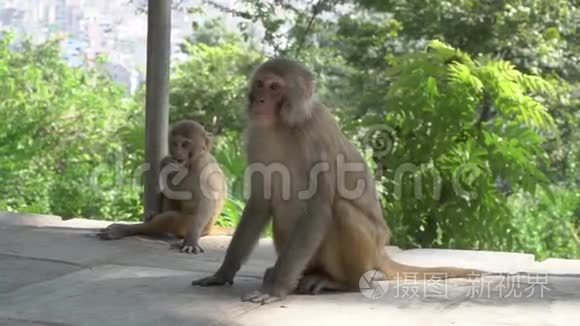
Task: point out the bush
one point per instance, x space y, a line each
208 87
547 225
466 135
229 153
58 137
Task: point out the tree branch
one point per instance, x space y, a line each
315 12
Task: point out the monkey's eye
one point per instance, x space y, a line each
259 83
275 86
184 145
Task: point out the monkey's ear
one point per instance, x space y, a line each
297 108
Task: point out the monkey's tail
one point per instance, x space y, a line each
395 270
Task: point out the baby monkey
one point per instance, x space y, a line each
193 191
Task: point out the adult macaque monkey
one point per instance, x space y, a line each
327 221
194 193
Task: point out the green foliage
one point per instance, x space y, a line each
229 154
58 136
212 32
547 225
536 35
451 154
209 86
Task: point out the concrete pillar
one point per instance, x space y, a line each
157 98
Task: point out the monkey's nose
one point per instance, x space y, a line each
261 100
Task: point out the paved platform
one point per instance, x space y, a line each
55 272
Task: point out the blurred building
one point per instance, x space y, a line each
89 29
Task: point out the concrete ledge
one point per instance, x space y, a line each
55 272
15 219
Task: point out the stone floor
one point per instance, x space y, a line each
55 272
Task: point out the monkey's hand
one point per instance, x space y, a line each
214 280
167 160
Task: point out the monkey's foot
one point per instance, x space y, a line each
316 283
214 280
114 231
259 297
188 247
192 249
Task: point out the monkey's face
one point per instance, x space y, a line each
267 96
186 149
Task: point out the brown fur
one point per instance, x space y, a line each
192 216
324 242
